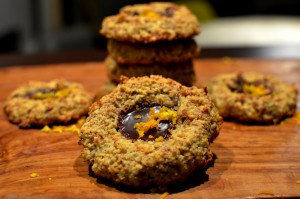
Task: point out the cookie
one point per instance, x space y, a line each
163 52
150 131
146 23
253 97
183 72
45 103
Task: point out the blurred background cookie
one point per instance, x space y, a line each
182 72
152 39
164 52
253 97
45 103
145 23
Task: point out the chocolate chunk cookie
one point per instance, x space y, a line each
150 131
44 103
145 23
162 52
253 97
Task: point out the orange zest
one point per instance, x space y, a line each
150 14
57 94
255 90
154 118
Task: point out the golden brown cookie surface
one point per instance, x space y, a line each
146 23
150 131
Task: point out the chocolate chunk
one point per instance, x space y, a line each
126 125
240 82
169 12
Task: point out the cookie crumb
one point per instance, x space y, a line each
57 129
81 121
164 195
74 128
266 192
46 129
34 175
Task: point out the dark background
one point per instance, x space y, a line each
31 26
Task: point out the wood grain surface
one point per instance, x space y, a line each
251 161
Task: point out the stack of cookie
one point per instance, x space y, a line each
154 38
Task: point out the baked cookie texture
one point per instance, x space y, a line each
152 39
139 162
253 97
183 72
161 52
45 103
146 23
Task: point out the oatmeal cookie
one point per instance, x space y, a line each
163 52
150 131
146 23
253 97
44 103
183 72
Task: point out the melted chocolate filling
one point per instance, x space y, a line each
127 122
169 12
31 94
42 90
240 82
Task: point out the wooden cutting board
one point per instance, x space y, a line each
251 161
